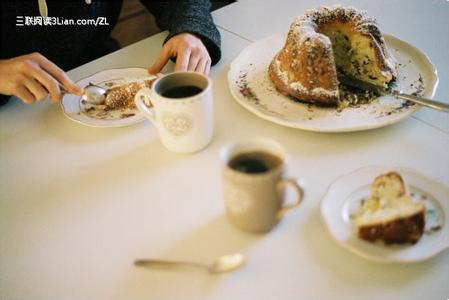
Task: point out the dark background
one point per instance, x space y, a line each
136 23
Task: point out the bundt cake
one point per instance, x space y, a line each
325 41
390 214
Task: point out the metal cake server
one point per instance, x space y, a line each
363 85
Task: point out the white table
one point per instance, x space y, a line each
79 204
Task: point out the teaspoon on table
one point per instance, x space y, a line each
223 264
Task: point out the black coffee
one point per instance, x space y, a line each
255 162
182 91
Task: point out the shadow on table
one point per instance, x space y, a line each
213 239
57 125
347 267
313 144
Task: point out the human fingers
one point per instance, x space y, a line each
201 67
50 83
194 61
37 90
207 69
161 61
24 94
58 74
182 60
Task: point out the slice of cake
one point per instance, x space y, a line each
122 96
390 214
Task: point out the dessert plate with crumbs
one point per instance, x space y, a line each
345 196
252 88
118 109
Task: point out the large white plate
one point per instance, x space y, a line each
343 199
252 88
74 109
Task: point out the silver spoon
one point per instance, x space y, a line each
223 264
92 93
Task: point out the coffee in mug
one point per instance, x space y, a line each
182 91
254 185
255 162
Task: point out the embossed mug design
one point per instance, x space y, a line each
185 122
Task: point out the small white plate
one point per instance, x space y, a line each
75 109
252 88
343 199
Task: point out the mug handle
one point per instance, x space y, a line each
283 184
138 100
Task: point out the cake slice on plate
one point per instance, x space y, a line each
390 214
122 96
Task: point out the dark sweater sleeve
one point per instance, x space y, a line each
191 16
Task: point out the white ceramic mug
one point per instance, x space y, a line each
255 201
184 124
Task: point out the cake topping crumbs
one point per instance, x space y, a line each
419 86
244 88
119 101
350 97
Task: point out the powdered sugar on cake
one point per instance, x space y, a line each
297 86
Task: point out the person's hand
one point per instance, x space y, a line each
190 53
32 77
